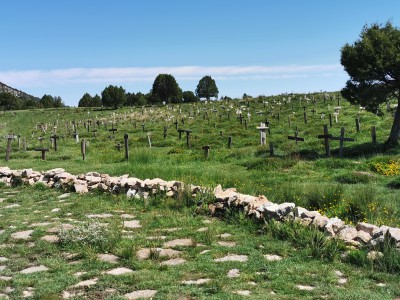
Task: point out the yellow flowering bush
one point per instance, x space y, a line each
390 168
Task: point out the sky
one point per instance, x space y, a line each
258 47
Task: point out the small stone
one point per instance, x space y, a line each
196 282
26 294
272 257
55 210
12 205
380 284
342 280
225 235
110 258
132 224
99 216
243 293
234 273
3 259
204 251
50 238
232 257
144 253
30 270
178 242
373 255
226 244
173 262
118 271
127 216
78 274
305 287
22 235
42 224
4 296
141 294
338 273
63 196
86 283
202 229
5 278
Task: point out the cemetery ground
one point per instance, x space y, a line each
57 245
202 144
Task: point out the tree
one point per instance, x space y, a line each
189 96
373 64
47 101
207 88
85 101
96 101
165 88
113 96
10 102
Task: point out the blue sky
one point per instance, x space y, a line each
67 48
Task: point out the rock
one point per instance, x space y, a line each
50 238
118 271
333 226
86 283
144 253
394 234
141 294
368 228
276 211
99 216
243 293
127 216
132 224
363 236
320 221
131 193
272 257
347 233
226 244
173 262
373 255
30 270
196 282
305 287
110 258
232 257
81 188
22 235
234 273
178 242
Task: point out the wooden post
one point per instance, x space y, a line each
143 125
206 150
55 138
305 117
24 143
271 149
330 120
19 141
149 138
43 150
9 137
373 134
188 138
289 121
165 132
126 146
326 136
180 133
245 124
358 124
262 129
229 142
176 124
83 149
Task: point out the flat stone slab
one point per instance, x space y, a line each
243 293
14 205
202 229
226 244
141 294
196 282
234 273
132 224
305 287
127 216
110 258
160 237
118 271
40 224
50 238
173 262
225 235
88 282
272 257
30 270
232 257
179 242
22 235
144 253
5 278
60 227
3 259
63 196
99 216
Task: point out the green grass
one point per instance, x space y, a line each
308 258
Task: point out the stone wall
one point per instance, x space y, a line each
257 207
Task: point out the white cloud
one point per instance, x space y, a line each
67 77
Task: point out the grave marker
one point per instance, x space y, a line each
342 139
206 150
55 137
296 137
373 134
43 150
126 146
83 149
262 129
10 138
326 136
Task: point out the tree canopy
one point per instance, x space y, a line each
207 88
373 64
189 96
89 101
113 96
165 88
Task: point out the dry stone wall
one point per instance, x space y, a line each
258 207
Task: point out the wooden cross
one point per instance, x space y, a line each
262 129
10 138
188 138
55 138
342 139
113 130
143 125
296 137
326 136
313 111
206 150
165 132
176 124
40 138
43 150
304 108
180 132
241 118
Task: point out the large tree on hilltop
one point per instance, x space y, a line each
207 88
165 88
373 64
113 96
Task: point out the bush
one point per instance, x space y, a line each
354 178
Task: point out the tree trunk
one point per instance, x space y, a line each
393 139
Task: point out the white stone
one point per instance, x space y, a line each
243 293
305 287
22 235
141 294
234 273
173 262
272 257
30 270
232 257
178 242
86 283
196 282
132 224
110 258
118 271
